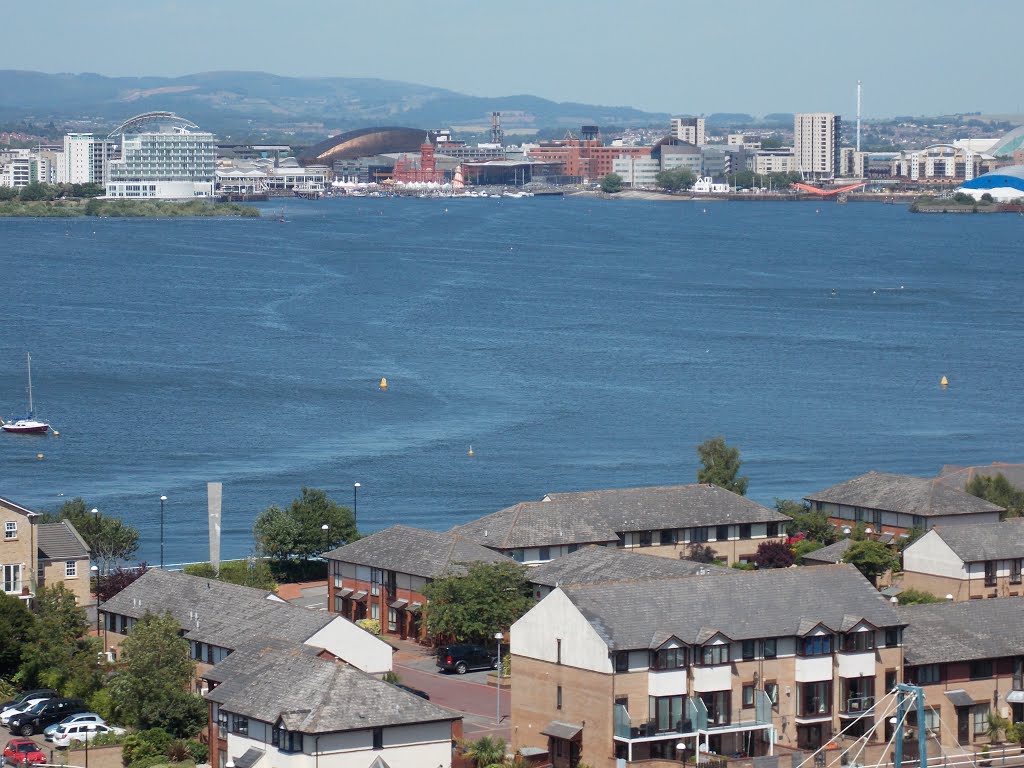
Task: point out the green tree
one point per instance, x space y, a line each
998 490
804 547
488 598
871 558
60 655
700 553
917 597
35 191
814 525
611 183
720 464
151 687
16 625
675 179
110 539
486 751
297 531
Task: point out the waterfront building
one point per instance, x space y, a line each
940 164
637 171
16 172
721 160
780 160
816 144
888 503
1004 184
852 164
630 671
689 129
664 521
85 159
163 156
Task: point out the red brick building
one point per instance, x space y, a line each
584 158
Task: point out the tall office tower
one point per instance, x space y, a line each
689 129
816 144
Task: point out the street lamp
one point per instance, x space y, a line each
355 504
163 501
497 706
325 528
96 576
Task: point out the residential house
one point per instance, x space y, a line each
600 565
382 576
829 555
661 521
967 561
34 555
969 659
893 504
219 618
291 708
621 672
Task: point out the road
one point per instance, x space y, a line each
467 693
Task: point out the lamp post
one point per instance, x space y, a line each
497 705
355 505
326 529
163 501
96 575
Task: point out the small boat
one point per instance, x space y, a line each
28 425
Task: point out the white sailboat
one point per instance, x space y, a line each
29 424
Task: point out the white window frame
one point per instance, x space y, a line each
10 529
12 580
70 569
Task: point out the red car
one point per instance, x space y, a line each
23 752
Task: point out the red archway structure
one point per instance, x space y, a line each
828 192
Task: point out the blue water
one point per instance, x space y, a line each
573 343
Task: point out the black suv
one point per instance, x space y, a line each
23 697
462 658
48 713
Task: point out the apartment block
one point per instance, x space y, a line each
689 129
816 144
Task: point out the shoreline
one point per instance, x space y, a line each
110 208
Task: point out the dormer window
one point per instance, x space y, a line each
712 655
856 642
819 645
285 740
669 658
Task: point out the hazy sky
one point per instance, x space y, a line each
914 56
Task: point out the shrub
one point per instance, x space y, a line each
987 197
391 677
102 703
917 597
177 751
804 547
370 625
741 566
255 573
506 665
150 743
773 554
197 750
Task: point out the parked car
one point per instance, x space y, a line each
413 691
22 752
82 732
24 696
44 714
462 658
81 717
25 706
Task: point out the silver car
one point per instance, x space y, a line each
83 717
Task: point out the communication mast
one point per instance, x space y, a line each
858 115
497 135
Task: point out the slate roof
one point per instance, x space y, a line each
770 603
229 615
958 477
984 541
938 633
595 517
314 695
833 553
431 554
14 507
600 565
60 541
927 497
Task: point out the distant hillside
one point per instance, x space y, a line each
227 102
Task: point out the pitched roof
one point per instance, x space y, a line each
431 554
927 497
984 541
594 517
958 477
314 695
770 603
60 541
937 633
600 565
226 615
16 507
833 553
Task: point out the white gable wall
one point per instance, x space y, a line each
930 554
354 645
555 618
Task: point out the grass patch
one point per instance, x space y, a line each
124 208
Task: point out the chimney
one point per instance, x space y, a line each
213 496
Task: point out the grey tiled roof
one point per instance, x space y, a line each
229 615
922 496
754 604
314 695
60 541
958 477
431 554
594 517
984 541
599 565
15 507
975 629
833 553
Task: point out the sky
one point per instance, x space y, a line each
915 57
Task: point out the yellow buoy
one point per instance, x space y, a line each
383 382
39 455
944 382
471 450
56 433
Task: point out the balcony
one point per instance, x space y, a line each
855 706
696 721
627 729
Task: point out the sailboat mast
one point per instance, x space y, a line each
28 357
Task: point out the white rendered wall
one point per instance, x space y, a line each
556 618
931 555
814 668
355 645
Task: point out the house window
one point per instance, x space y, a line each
518 555
715 654
981 669
670 658
980 713
286 741
771 690
558 697
375 611
859 641
748 696
815 699
645 538
892 638
717 704
929 673
378 738
745 531
197 651
990 573
1015 572
773 530
558 651
70 569
769 648
748 650
376 579
544 553
721 533
573 548
890 680
622 661
392 620
12 578
819 645
11 529
668 536
222 723
667 713
240 725
699 535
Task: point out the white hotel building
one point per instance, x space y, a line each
163 156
